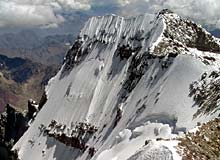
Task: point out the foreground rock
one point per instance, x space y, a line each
13 125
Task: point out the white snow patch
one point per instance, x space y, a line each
127 146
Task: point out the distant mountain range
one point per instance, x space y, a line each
216 33
27 61
27 44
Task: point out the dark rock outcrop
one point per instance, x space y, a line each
32 109
43 100
206 93
76 136
13 125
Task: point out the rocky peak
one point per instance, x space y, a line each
165 11
180 34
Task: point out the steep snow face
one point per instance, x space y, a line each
118 89
126 37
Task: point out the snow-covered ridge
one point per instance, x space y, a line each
164 34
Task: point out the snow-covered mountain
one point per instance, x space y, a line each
127 89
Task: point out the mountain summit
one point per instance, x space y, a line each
126 91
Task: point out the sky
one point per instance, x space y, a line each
49 13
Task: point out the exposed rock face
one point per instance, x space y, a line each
16 124
76 136
32 108
180 33
43 100
72 55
